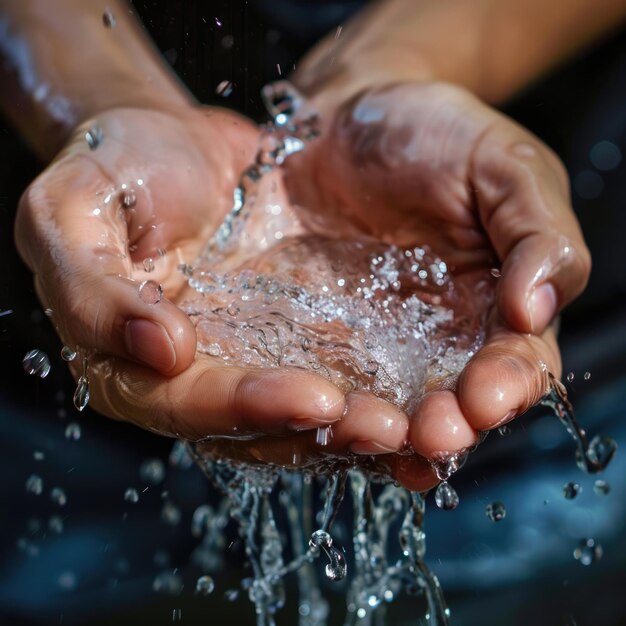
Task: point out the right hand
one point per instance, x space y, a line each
87 251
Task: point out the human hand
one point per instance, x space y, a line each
91 228
428 163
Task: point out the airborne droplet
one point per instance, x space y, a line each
496 511
446 497
150 292
36 362
588 552
67 354
81 395
571 490
205 585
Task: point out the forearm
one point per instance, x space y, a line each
491 47
60 65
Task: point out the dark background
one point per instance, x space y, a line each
519 572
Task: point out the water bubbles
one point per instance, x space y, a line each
131 495
148 265
601 487
446 497
67 354
495 511
129 199
108 19
224 89
57 495
81 394
73 431
152 471
36 362
588 551
34 485
167 582
150 292
205 585
600 452
94 137
571 490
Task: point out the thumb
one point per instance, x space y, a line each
76 243
523 199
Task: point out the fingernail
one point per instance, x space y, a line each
370 447
541 307
507 418
308 423
149 343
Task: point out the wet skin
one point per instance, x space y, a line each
413 163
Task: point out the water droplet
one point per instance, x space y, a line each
371 368
72 431
129 199
224 89
152 471
55 524
38 455
57 495
148 265
337 568
214 349
36 362
81 395
495 272
601 487
170 514
320 539
108 19
446 497
504 431
587 376
94 137
205 585
231 595
34 484
150 292
571 490
179 456
233 310
131 495
496 511
228 41
600 452
588 551
570 377
161 252
67 354
177 615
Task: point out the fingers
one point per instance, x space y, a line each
77 245
523 200
212 399
505 378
